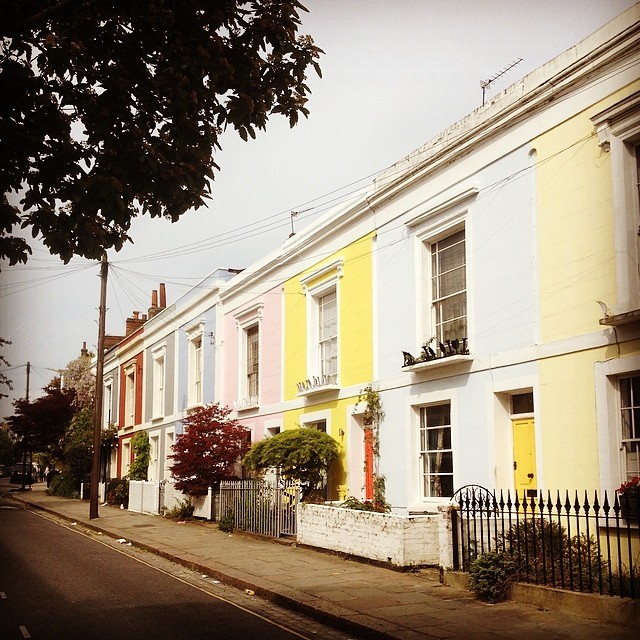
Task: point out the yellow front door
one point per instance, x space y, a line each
524 455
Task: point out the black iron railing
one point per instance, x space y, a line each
564 541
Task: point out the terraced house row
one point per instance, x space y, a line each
487 286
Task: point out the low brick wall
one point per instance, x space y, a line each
403 541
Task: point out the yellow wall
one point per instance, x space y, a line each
576 268
355 344
575 230
355 333
575 225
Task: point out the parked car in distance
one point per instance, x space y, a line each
21 473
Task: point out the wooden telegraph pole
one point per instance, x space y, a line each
97 409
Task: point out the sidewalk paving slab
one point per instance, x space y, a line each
367 600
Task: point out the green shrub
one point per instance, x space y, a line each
64 486
227 522
183 510
549 555
118 492
491 576
364 505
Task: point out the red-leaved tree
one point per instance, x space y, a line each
208 450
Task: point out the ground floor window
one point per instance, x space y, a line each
436 455
630 409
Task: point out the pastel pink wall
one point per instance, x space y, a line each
270 360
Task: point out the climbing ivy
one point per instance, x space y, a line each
142 456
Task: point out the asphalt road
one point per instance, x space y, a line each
59 582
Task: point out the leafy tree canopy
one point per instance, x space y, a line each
4 381
7 455
41 424
78 376
208 450
112 109
77 445
300 454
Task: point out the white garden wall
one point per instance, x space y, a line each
154 497
402 541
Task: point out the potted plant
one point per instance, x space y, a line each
629 498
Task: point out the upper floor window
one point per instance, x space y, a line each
159 382
328 334
249 322
618 129
130 395
436 453
107 403
253 360
322 288
195 367
449 287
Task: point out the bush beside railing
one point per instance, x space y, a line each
581 545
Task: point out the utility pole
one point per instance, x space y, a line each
97 408
24 451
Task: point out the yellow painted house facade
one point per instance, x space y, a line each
588 225
329 356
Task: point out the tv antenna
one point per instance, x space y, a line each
486 84
295 214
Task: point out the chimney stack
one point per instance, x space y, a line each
156 308
134 323
83 351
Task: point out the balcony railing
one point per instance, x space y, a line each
447 349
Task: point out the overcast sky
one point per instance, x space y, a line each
395 73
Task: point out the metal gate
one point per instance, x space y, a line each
258 506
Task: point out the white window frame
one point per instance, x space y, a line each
436 276
107 403
618 129
169 441
628 473
130 375
424 452
159 382
245 321
316 286
153 469
126 458
437 222
195 392
609 420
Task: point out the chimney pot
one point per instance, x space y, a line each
163 296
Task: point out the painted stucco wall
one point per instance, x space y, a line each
575 228
502 319
355 317
399 541
208 358
577 268
270 360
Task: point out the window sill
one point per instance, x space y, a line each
244 404
317 385
619 319
449 361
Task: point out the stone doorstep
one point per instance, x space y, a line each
612 609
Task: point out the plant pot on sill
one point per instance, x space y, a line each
630 508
